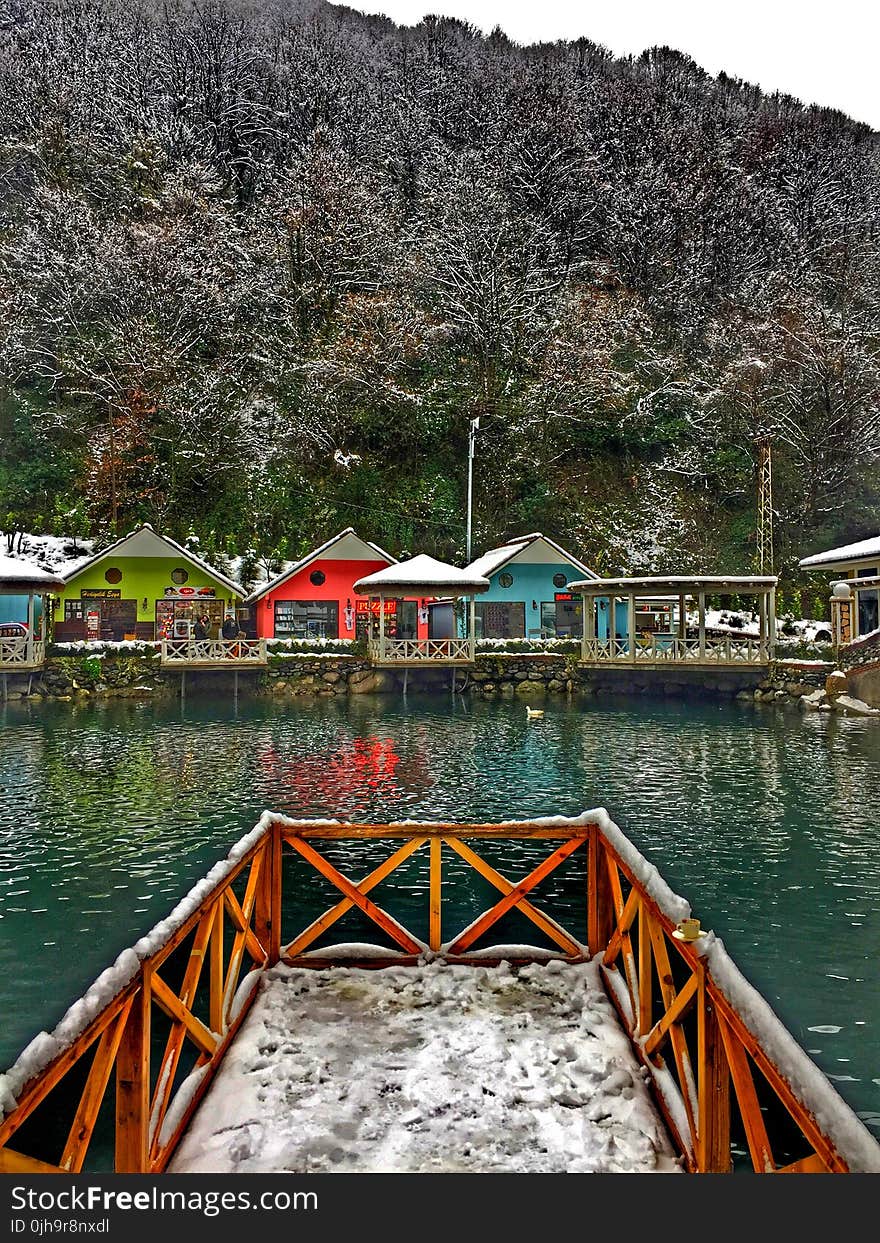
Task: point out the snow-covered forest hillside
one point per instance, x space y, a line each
261 263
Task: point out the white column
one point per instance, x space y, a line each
589 604
762 625
771 622
612 625
381 627
701 601
30 623
472 624
631 626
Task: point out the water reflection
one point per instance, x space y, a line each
766 820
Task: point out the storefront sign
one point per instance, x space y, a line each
372 606
205 591
101 593
563 595
93 625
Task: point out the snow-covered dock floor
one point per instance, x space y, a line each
428 1069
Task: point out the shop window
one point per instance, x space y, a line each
505 580
180 575
73 610
497 620
306 619
317 578
113 575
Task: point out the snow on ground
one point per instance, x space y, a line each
429 1069
53 552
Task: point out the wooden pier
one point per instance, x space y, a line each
722 1067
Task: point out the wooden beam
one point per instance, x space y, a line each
167 1000
80 1133
435 883
12 1162
713 1089
133 1086
550 927
513 897
320 925
386 922
750 1111
674 1013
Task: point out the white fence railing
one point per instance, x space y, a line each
411 650
655 649
19 653
213 651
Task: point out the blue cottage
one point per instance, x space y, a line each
529 597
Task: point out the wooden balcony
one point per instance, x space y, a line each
659 651
416 653
21 655
213 654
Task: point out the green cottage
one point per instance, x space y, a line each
144 586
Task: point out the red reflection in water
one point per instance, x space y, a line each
330 782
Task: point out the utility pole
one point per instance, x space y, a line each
472 434
765 508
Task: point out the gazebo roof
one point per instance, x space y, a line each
864 550
717 584
19 577
421 576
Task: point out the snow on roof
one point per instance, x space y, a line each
18 576
492 561
421 575
720 584
144 537
322 550
863 550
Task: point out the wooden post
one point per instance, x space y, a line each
381 627
434 934
29 654
682 618
600 904
472 636
631 626
713 1089
133 1087
267 909
771 622
612 625
701 600
762 625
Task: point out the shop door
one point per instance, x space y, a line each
118 620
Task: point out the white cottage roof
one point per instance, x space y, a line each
492 561
19 577
421 576
863 550
145 542
349 547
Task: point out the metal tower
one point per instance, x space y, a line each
765 509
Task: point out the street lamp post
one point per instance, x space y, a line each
472 433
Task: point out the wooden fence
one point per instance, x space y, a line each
716 1081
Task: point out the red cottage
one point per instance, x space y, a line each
314 598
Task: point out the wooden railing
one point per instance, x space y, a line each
659 649
440 651
720 1061
213 651
22 652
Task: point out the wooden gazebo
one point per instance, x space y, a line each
23 653
422 577
658 650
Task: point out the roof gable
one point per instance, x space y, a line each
145 542
534 549
345 546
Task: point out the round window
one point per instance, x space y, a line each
559 580
317 577
113 575
505 579
179 576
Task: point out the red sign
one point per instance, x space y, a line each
186 591
563 595
372 606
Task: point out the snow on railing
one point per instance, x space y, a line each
428 650
213 651
708 1039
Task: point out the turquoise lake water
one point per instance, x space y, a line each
766 820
